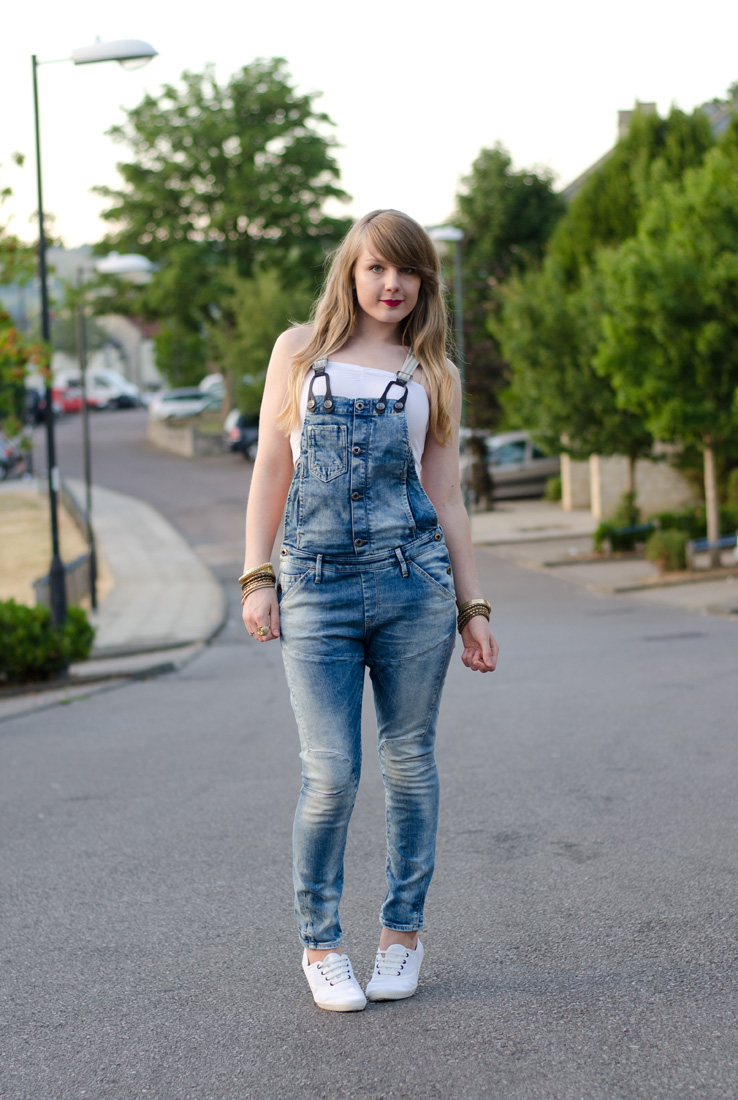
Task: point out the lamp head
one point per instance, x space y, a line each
131 53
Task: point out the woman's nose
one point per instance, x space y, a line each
392 278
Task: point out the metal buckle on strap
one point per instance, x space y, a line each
319 371
381 405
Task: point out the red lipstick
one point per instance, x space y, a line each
392 302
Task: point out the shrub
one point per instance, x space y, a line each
32 649
627 514
668 548
731 489
693 522
553 489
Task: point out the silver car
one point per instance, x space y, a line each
516 466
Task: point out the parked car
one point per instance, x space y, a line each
175 404
241 433
68 397
106 389
517 467
11 456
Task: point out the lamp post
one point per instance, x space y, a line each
139 268
456 236
131 53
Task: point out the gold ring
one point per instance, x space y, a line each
262 631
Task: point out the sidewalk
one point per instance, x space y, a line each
164 607
540 535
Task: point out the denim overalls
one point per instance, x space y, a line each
364 580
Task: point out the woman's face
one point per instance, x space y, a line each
387 293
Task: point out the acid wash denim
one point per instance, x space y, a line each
364 582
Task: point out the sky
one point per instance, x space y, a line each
415 89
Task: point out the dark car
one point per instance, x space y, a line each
241 433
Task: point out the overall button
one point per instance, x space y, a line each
359 542
356 496
356 450
438 536
359 405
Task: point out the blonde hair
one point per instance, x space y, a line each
398 239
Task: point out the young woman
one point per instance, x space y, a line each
358 449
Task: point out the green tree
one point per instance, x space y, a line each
550 327
17 260
17 264
608 208
555 387
261 307
670 336
507 217
231 176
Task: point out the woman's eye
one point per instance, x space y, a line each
408 270
375 267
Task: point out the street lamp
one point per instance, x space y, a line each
139 269
456 236
129 52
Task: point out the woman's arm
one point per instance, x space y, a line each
441 482
270 483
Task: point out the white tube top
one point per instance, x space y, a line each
348 380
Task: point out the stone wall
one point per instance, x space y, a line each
599 484
183 438
574 484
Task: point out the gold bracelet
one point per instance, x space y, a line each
246 592
267 567
468 610
260 576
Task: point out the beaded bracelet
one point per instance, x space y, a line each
468 610
249 588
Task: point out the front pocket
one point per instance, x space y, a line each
434 572
327 450
288 582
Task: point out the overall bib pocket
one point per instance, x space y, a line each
327 450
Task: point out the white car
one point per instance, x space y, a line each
106 388
176 404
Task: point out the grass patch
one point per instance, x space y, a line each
25 546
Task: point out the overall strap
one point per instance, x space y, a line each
402 378
406 371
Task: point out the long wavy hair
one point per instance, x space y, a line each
399 239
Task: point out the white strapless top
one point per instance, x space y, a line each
348 380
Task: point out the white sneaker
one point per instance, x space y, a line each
395 974
333 984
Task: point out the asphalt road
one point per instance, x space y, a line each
581 938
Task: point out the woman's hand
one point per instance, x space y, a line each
480 648
261 610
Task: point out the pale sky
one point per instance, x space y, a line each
416 89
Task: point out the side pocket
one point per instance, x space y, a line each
290 582
435 572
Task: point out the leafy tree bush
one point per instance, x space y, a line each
507 217
616 530
731 488
670 335
221 177
668 548
32 649
553 489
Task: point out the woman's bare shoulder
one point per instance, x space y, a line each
294 339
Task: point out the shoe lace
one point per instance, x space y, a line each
390 963
337 970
